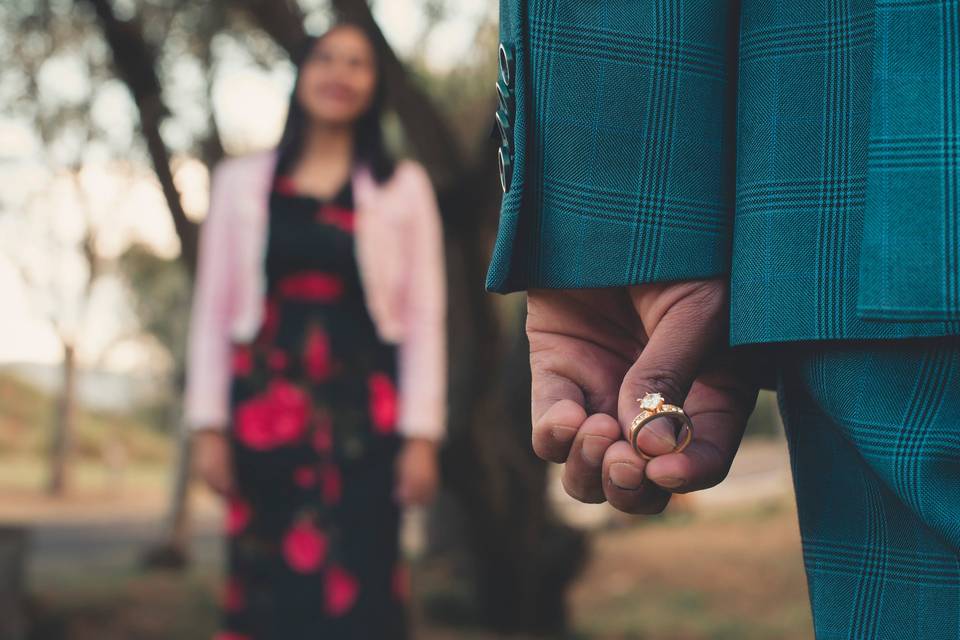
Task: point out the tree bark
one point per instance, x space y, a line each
172 549
136 65
61 444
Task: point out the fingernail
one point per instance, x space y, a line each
662 430
670 483
626 476
593 449
562 434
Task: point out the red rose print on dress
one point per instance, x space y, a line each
273 419
331 484
271 321
305 547
341 591
311 286
383 403
238 515
305 477
234 598
316 360
231 635
323 434
277 361
242 360
338 217
401 582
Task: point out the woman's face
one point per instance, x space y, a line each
338 78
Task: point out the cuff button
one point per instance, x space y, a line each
503 123
505 164
506 65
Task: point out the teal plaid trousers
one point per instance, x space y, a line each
808 151
874 435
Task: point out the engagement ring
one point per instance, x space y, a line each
654 407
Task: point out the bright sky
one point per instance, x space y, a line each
39 212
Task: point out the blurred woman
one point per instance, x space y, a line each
317 361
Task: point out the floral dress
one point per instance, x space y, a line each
313 527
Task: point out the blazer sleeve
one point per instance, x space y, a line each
423 349
208 345
618 143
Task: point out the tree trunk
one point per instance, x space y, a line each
524 559
172 550
63 427
135 63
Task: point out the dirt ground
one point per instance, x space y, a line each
734 575
723 565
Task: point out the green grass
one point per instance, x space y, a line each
28 473
26 422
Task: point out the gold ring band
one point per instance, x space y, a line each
654 407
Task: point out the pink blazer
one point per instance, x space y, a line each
399 249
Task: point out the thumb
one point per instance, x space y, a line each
679 344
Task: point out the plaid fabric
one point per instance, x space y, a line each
621 175
841 220
874 434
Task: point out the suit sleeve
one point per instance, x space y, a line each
619 143
208 346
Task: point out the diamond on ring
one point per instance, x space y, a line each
651 401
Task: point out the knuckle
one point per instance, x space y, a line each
649 507
580 488
707 297
638 503
547 452
720 476
716 478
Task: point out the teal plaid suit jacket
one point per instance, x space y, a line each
809 149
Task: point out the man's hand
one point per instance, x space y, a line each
593 353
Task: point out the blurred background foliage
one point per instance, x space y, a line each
134 88
129 104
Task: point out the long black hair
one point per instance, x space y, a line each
368 144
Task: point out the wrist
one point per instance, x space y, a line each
421 443
208 434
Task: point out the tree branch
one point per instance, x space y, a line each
135 63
